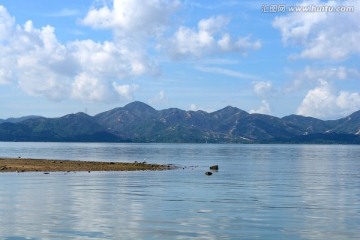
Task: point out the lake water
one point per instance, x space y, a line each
259 192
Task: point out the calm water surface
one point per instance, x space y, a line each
259 192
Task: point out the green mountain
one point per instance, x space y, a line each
139 122
72 127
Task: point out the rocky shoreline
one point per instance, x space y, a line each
47 165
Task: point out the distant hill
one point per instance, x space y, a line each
139 122
73 127
16 120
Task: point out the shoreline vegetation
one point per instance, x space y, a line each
47 165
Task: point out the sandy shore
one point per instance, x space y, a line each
45 165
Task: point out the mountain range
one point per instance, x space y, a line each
139 122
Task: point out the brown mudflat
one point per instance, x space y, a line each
44 165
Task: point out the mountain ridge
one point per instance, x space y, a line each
139 122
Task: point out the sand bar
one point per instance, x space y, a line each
46 165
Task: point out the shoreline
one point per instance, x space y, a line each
48 165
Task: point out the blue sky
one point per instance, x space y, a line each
92 56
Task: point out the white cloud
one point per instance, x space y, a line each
40 65
109 59
213 25
209 38
194 107
160 98
228 72
323 35
126 91
310 76
65 12
263 109
348 101
87 87
33 58
38 80
339 73
263 88
324 101
129 17
6 23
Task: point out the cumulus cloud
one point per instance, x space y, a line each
89 88
6 23
323 35
263 109
324 101
310 76
32 57
323 97
36 61
126 91
124 17
263 88
209 38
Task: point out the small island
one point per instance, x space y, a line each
46 165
